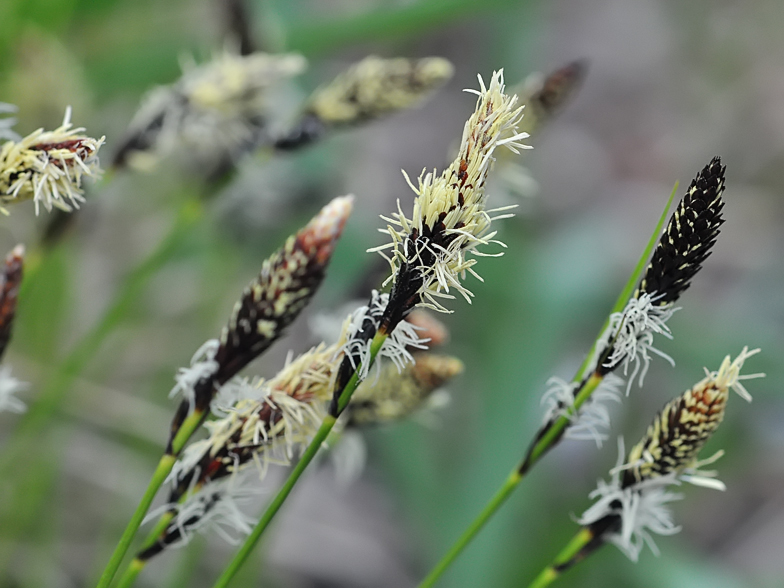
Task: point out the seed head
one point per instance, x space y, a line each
375 87
633 503
545 96
48 167
681 429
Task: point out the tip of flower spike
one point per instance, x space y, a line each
16 253
319 236
728 374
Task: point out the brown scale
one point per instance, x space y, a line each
10 279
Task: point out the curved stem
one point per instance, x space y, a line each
313 448
479 522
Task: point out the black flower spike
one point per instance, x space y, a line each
687 241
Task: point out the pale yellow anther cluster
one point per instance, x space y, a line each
287 412
454 203
375 86
48 167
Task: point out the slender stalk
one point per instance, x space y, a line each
553 433
137 565
311 451
165 466
131 572
564 559
473 529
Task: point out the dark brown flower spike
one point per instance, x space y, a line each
10 280
287 282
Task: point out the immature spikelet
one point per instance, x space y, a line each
450 217
212 115
288 280
633 503
48 167
395 394
688 238
375 86
545 96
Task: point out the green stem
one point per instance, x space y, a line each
131 572
164 467
553 434
311 451
479 522
564 559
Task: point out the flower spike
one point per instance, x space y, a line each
288 280
48 167
450 217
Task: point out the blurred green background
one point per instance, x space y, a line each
670 85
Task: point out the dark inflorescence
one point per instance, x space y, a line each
10 279
689 237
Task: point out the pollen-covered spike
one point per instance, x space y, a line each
678 433
688 238
10 280
48 167
370 89
375 87
397 394
450 219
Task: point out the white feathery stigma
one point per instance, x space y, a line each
631 334
592 419
203 365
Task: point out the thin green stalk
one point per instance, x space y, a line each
165 466
565 558
311 451
553 434
631 283
479 522
137 565
131 573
